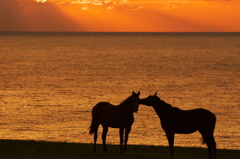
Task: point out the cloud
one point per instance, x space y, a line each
29 15
104 4
25 16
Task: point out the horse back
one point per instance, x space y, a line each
102 107
202 114
198 114
111 115
188 121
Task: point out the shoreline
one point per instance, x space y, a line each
44 149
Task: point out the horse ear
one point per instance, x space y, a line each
156 94
133 93
138 93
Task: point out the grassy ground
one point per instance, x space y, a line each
17 149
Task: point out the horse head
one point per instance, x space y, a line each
135 101
150 100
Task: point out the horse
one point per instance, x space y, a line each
175 120
120 116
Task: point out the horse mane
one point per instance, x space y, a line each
165 104
126 101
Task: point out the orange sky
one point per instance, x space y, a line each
131 16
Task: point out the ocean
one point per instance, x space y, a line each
51 81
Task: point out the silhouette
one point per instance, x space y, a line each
175 120
120 116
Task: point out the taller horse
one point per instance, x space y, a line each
175 120
120 116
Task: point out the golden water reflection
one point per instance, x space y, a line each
49 86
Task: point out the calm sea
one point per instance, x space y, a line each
49 83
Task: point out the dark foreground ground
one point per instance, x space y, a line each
17 149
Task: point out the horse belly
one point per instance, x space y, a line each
117 122
186 131
113 123
180 127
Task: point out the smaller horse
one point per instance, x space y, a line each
120 116
175 120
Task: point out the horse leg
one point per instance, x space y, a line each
170 137
211 144
121 131
127 131
104 135
210 141
214 148
209 149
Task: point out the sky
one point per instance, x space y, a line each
120 15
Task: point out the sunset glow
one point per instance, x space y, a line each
120 15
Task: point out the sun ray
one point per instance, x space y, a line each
121 15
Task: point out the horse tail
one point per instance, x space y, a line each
94 127
95 120
92 130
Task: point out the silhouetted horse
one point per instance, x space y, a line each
120 116
175 120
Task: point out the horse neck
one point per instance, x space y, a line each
128 111
162 109
126 108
